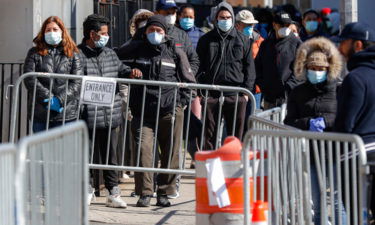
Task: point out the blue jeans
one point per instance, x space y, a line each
41 126
315 195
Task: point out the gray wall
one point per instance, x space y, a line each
21 21
365 9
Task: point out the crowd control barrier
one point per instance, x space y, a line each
259 123
276 114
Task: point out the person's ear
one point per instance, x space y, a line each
358 46
92 35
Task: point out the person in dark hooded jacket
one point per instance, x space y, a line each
159 59
274 63
226 59
55 52
312 104
356 99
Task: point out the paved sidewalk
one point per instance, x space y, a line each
182 211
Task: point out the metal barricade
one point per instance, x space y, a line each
9 73
7 174
147 117
52 177
275 114
307 168
259 123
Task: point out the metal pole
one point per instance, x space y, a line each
349 11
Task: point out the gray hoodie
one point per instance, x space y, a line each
224 6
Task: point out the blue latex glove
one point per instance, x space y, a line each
54 104
317 124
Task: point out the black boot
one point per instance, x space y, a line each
162 200
144 201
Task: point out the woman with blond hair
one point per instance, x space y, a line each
312 106
54 52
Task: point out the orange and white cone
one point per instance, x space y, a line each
259 213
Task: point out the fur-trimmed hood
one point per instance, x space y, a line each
140 14
318 44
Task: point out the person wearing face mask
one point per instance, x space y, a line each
186 18
54 52
168 9
310 26
312 105
98 60
356 98
159 59
226 59
274 63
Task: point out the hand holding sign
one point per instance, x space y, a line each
136 73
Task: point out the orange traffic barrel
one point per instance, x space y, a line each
230 156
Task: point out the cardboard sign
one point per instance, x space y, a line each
98 91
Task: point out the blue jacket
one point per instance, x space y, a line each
194 34
356 100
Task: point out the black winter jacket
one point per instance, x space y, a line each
356 99
274 67
226 61
54 62
308 101
175 34
162 63
103 63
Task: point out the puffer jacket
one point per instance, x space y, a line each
103 63
226 58
309 101
54 62
164 62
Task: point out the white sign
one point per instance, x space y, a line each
98 91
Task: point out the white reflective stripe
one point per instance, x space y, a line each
146 62
168 64
370 147
127 60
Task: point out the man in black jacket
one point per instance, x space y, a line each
159 59
98 60
226 59
168 9
356 99
274 63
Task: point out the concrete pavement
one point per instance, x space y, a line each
182 211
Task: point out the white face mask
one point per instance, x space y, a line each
171 19
284 32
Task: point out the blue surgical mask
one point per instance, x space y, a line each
155 38
53 38
248 31
316 77
186 23
311 26
224 25
102 41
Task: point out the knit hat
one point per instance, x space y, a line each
157 20
317 58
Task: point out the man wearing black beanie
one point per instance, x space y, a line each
158 59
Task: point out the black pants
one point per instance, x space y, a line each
228 108
100 155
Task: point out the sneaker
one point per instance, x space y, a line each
174 196
91 195
162 200
144 201
114 198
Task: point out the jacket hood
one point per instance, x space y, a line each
363 58
318 44
141 14
226 6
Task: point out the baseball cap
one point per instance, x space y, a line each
282 18
245 16
356 31
166 4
